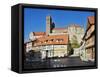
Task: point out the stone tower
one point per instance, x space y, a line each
48 25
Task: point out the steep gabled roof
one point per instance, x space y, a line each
91 19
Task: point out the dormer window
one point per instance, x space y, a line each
61 40
51 40
46 41
57 40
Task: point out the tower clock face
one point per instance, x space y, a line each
31 36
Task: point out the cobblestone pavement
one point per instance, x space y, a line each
58 62
71 61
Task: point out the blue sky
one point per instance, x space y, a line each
35 19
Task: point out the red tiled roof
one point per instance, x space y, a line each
52 40
91 19
39 33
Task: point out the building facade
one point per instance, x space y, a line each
75 31
29 46
89 39
52 46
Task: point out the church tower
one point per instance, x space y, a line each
48 25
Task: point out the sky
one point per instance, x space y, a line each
35 19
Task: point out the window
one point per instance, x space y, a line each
57 40
46 40
52 40
61 40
